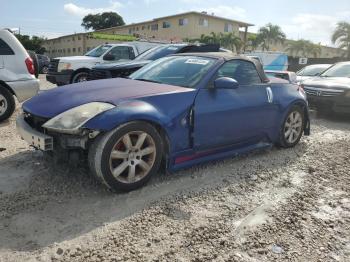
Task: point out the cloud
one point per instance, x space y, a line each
231 12
81 11
315 27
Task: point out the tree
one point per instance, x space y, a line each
252 42
270 34
102 21
304 48
341 36
32 43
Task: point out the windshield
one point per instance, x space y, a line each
338 70
312 70
158 52
185 71
98 51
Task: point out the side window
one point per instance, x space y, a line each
243 71
5 49
131 53
120 52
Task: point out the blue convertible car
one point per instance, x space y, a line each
180 110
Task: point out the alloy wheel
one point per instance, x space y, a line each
132 157
3 105
293 127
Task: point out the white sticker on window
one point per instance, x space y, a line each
196 61
172 48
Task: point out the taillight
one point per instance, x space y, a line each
30 66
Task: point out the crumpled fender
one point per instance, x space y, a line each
128 111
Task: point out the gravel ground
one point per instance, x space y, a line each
274 205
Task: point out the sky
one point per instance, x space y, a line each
299 19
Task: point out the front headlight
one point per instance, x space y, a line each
70 121
63 66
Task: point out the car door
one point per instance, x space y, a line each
224 117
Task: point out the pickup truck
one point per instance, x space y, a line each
74 69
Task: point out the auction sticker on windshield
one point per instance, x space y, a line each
196 61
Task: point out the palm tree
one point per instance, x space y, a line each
270 34
231 41
341 36
252 42
304 48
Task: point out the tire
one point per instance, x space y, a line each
44 70
80 77
7 104
135 160
293 127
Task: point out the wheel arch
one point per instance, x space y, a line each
4 85
303 104
80 70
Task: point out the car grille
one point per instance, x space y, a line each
53 66
313 91
98 74
35 122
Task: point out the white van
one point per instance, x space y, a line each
16 74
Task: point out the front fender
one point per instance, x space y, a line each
126 112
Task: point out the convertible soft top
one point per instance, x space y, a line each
229 56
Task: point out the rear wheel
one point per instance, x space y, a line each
293 127
7 104
126 158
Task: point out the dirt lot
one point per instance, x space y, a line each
275 205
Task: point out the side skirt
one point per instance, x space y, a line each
190 158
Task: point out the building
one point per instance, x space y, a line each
177 27
173 28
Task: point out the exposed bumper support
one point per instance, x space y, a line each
33 137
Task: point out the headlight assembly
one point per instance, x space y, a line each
70 121
63 66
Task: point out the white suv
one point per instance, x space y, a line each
16 74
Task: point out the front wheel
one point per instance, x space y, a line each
125 158
293 127
80 77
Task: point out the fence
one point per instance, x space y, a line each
295 66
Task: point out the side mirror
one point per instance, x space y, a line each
109 57
226 83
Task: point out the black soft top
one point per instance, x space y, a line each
229 56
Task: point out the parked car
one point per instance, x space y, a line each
16 74
331 90
311 71
73 69
44 62
286 75
183 109
126 68
277 61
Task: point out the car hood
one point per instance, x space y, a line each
121 65
328 82
53 102
78 59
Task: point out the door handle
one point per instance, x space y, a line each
269 94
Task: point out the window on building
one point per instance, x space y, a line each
243 72
88 48
79 49
130 31
137 28
68 50
203 22
74 49
166 24
183 21
228 28
149 27
79 38
73 38
154 27
143 27
5 49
